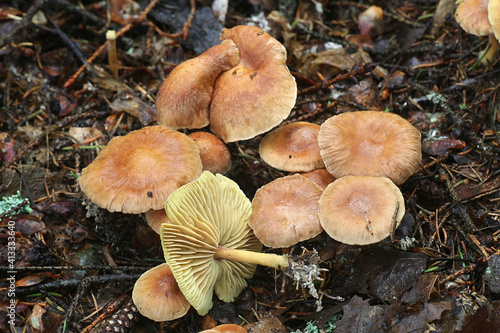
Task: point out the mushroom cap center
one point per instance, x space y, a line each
370 148
360 203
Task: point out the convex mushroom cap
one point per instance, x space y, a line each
292 147
370 143
226 328
157 295
137 172
215 157
360 210
477 17
258 93
155 218
285 211
184 97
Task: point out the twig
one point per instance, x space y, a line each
104 46
76 282
356 71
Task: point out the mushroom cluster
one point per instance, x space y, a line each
365 153
369 152
241 88
481 18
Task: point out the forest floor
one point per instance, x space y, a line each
74 265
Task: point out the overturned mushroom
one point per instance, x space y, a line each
209 245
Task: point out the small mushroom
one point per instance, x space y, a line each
320 176
155 218
293 147
472 15
226 328
285 211
370 143
360 210
209 245
257 94
215 157
137 172
184 97
157 295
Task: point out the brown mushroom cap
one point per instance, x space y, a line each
184 97
137 172
494 17
370 143
359 210
258 93
157 295
472 15
215 157
285 211
208 215
156 218
226 328
293 147
320 176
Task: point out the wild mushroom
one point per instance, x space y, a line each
361 210
137 172
215 157
157 295
285 211
209 245
155 218
184 97
258 93
226 328
320 176
472 15
370 143
293 147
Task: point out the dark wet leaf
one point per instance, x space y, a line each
487 319
385 272
27 224
129 103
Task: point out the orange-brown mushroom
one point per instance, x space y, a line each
361 210
155 218
226 328
258 93
472 15
184 97
370 143
285 211
320 176
157 295
137 172
293 147
215 157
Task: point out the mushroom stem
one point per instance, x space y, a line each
264 259
488 55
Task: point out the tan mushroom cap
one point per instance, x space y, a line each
320 176
293 147
208 215
285 211
258 93
156 218
137 172
215 157
359 210
157 295
226 328
370 143
184 97
494 17
472 15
